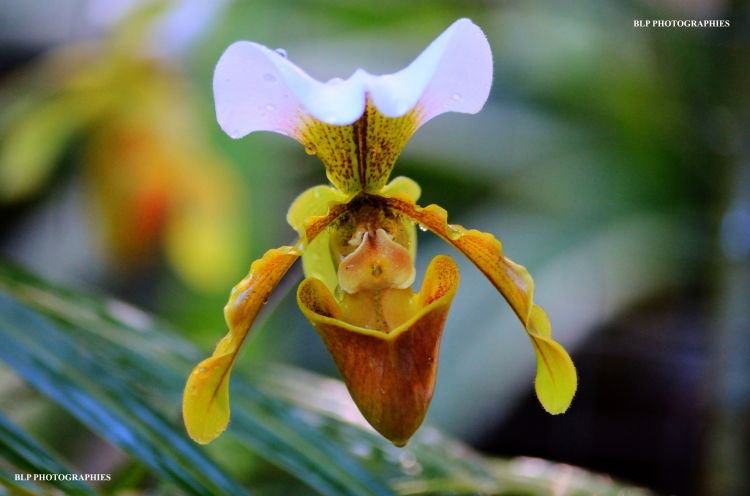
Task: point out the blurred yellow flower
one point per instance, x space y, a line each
358 237
153 181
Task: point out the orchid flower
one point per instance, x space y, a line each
357 236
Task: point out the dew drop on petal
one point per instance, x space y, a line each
453 232
269 78
336 80
193 391
422 228
310 149
456 96
281 52
270 107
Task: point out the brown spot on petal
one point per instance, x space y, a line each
361 155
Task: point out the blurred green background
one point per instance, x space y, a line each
612 161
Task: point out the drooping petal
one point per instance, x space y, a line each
358 126
205 406
390 374
556 378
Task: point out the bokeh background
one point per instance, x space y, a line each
612 161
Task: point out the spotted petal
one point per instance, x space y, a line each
356 126
556 379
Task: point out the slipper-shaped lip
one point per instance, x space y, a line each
448 281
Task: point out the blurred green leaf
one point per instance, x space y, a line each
18 488
26 454
72 375
121 373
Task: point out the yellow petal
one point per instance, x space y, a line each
389 372
406 189
205 404
315 204
402 187
556 378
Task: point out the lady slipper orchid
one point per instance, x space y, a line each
358 237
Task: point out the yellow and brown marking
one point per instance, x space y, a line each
361 155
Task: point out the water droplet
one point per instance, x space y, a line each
269 78
202 370
456 96
281 52
454 232
422 228
335 80
361 449
310 149
270 107
409 463
193 391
